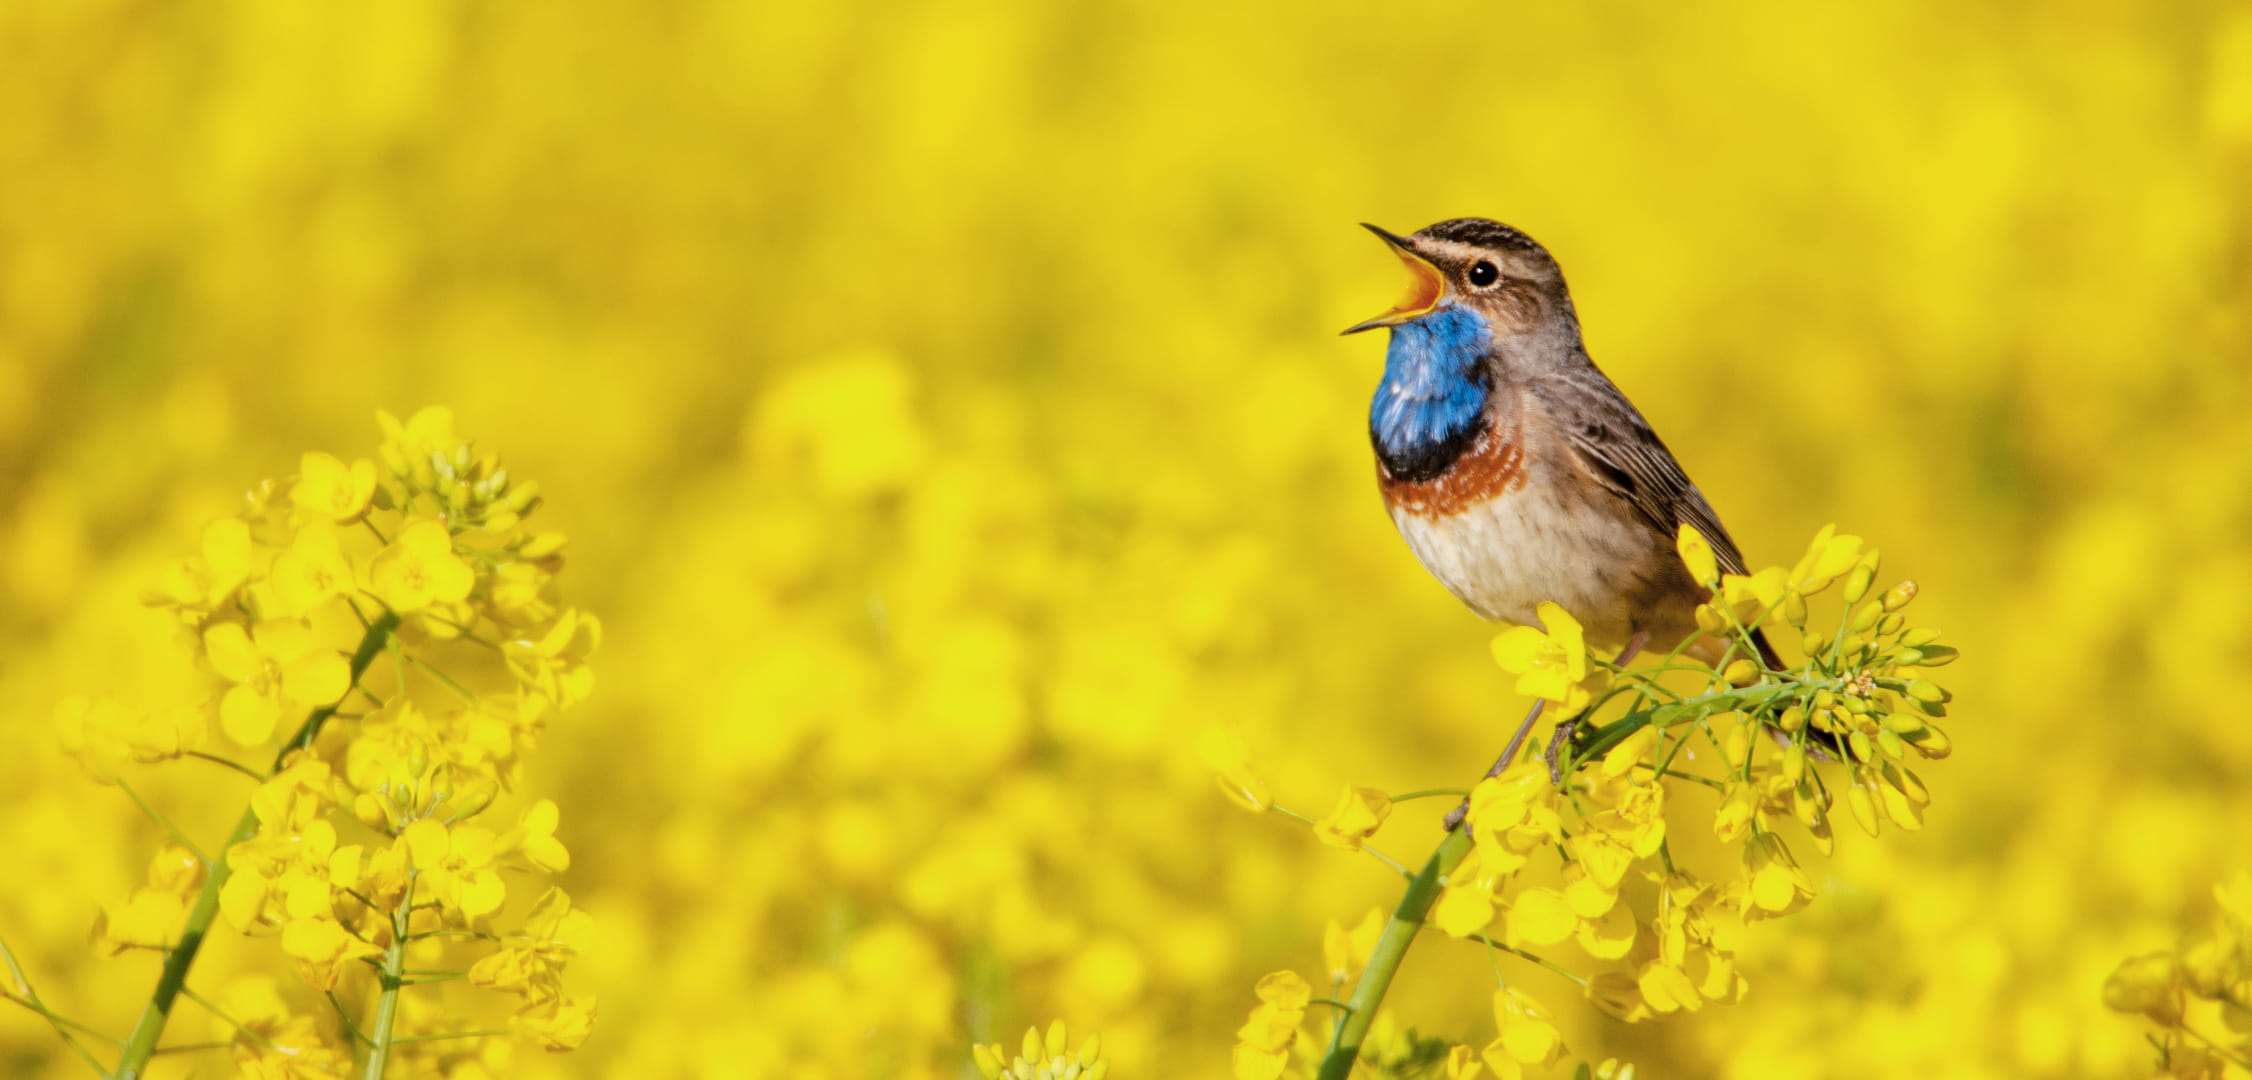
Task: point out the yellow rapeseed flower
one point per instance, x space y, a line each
323 949
1550 664
457 865
278 669
1263 1043
1223 752
1344 951
309 574
328 488
1043 1058
556 1023
1359 813
1528 1034
419 568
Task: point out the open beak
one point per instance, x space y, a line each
1427 287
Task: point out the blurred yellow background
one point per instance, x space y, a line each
945 405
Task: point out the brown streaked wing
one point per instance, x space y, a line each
1618 449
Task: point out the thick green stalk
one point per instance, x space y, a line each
1391 948
141 1045
394 971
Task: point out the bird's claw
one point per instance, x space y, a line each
1556 744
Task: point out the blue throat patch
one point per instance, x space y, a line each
1428 407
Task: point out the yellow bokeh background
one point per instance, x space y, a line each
945 406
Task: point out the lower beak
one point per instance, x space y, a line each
1427 287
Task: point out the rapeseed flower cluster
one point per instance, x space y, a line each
2198 995
943 404
1575 849
393 625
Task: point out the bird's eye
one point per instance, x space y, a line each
1483 273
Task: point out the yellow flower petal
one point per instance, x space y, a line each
1519 648
227 646
316 678
247 716
1541 917
1611 935
1463 910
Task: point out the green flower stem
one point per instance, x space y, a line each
1690 710
393 977
141 1045
1391 948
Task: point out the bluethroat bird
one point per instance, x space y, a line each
1514 469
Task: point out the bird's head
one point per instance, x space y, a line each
1510 282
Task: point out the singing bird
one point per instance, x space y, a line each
1514 469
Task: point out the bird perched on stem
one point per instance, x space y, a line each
1514 469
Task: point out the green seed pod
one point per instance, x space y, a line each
1927 690
1935 655
1859 744
1903 723
1794 761
1807 807
1857 581
1865 617
1890 743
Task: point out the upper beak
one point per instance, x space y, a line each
1427 287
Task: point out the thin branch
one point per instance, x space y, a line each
160 819
62 1025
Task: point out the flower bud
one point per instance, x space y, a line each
1934 655
1858 742
1899 595
1858 579
1889 742
1865 617
1740 673
371 812
1807 805
2146 984
1864 806
1931 742
1736 746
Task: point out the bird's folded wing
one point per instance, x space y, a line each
1620 452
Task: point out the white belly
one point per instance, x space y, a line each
1505 555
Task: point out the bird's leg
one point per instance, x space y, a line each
1570 727
1509 754
1563 733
